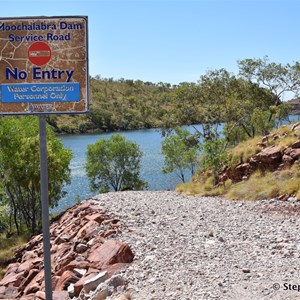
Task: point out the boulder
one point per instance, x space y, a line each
88 230
267 159
111 252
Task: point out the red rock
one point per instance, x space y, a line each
12 268
30 263
29 255
60 295
295 126
56 295
79 284
115 268
29 297
92 283
262 144
68 215
73 265
295 154
79 272
32 288
92 270
270 153
12 278
89 230
268 159
243 167
98 217
96 241
40 295
123 297
287 161
65 280
8 292
108 233
94 206
70 229
80 248
76 229
63 248
114 225
35 284
65 260
113 221
55 280
34 242
283 197
32 273
2 290
62 239
111 252
295 145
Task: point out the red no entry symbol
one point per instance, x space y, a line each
39 53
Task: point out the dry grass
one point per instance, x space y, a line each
204 186
266 186
258 187
7 247
243 151
286 141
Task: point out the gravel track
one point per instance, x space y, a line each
197 248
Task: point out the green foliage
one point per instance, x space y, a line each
276 77
262 122
20 172
181 153
114 164
218 97
214 155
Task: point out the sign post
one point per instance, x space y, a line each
44 70
45 206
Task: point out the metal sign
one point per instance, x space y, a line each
44 70
43 65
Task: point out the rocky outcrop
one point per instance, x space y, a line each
294 106
84 252
269 158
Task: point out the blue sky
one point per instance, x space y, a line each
176 40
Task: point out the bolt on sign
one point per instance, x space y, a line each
43 65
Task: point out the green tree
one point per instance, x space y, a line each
181 153
213 156
20 171
276 77
114 164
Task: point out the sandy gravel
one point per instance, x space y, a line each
208 248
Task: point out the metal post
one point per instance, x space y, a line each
45 206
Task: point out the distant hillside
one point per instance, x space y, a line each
295 106
126 104
119 105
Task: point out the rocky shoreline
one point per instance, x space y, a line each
187 247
